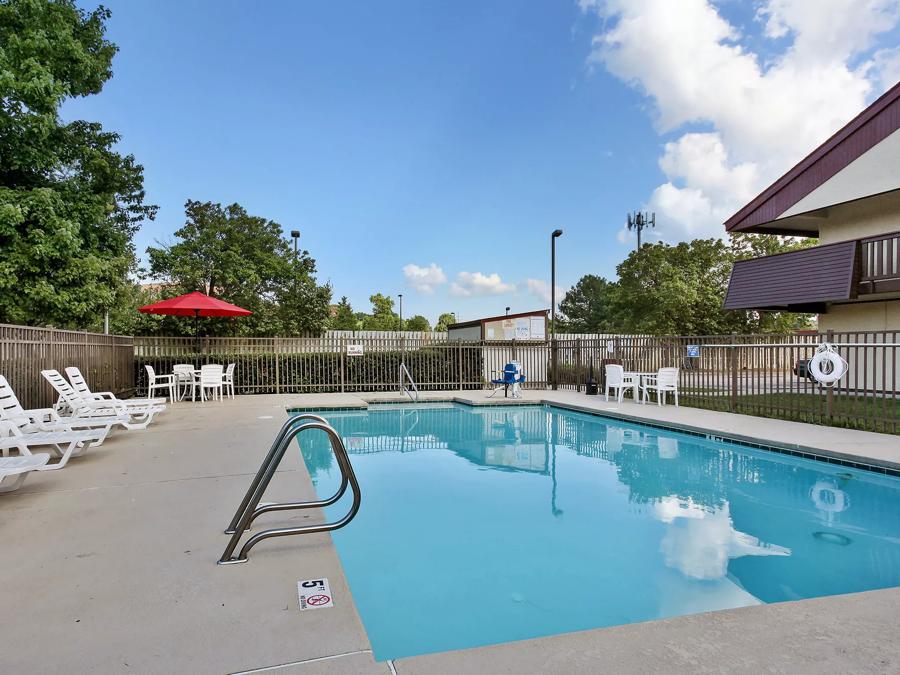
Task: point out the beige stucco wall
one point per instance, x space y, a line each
875 368
863 218
864 316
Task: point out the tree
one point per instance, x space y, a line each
444 320
417 322
243 259
587 307
383 316
69 204
344 318
680 289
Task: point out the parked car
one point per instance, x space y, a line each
801 369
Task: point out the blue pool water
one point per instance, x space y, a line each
485 525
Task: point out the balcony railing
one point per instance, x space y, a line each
880 263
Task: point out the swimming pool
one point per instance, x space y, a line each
482 525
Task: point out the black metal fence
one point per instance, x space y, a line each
762 375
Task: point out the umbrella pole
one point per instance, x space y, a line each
197 328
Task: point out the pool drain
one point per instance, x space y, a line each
833 538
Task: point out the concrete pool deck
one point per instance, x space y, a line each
109 566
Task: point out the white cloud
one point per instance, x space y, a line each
541 289
764 114
475 283
424 279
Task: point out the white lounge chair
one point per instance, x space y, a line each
18 468
211 378
228 379
619 382
137 418
665 380
63 444
47 419
160 382
81 386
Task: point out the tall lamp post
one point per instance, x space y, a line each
553 237
400 295
295 235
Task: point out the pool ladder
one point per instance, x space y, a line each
250 507
404 375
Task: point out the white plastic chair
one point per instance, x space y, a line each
159 382
47 419
211 378
185 377
110 410
228 379
619 382
64 444
18 469
665 380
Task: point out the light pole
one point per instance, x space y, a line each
553 237
507 311
400 295
638 221
295 234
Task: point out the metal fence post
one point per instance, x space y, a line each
829 392
734 376
578 364
277 366
343 348
459 348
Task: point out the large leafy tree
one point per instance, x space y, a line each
587 307
417 322
69 203
444 320
243 259
383 316
676 290
343 317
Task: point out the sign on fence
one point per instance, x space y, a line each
693 351
354 350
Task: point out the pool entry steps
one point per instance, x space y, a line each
250 506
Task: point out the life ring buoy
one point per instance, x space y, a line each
829 498
837 369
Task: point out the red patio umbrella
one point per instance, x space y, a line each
195 304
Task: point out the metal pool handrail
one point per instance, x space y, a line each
404 371
250 509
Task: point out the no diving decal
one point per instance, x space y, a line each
314 594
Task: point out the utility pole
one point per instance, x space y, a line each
638 221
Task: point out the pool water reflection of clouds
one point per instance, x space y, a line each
490 524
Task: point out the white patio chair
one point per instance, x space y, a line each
228 379
619 382
160 382
47 419
665 380
18 468
63 444
81 386
185 376
211 378
135 417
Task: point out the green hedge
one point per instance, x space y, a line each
433 367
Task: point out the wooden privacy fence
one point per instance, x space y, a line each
107 361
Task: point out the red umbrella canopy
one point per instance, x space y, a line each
194 304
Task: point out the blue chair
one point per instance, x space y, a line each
511 376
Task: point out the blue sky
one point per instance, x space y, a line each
460 134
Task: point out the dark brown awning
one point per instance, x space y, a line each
800 281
